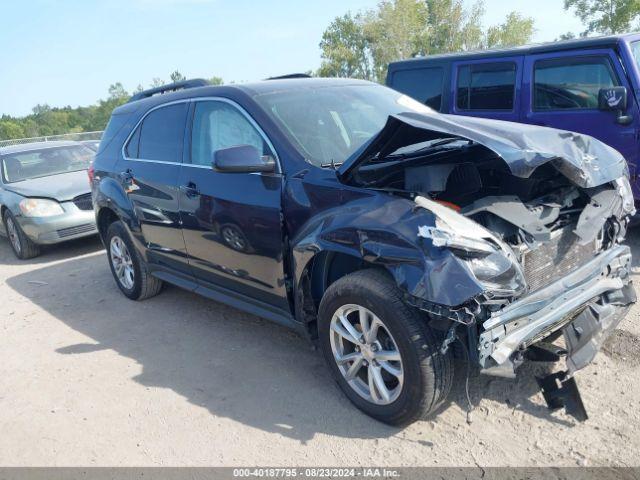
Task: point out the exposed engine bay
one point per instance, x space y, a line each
539 223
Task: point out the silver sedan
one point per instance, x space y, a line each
45 196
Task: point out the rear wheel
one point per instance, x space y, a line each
382 353
128 268
21 244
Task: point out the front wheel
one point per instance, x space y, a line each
23 247
382 353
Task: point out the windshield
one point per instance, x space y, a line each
328 124
45 162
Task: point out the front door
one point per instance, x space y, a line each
232 221
149 175
561 91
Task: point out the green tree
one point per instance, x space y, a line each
216 81
117 92
346 50
361 45
399 29
176 76
516 30
605 16
9 128
156 82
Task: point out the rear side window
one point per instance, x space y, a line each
571 83
159 136
219 125
423 84
486 86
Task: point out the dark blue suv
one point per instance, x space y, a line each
380 229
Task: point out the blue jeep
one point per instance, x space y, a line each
590 86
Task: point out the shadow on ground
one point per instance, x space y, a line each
233 364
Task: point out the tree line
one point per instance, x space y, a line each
360 45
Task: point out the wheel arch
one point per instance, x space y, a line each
319 273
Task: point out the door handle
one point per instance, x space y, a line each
190 189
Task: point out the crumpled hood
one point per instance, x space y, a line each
585 161
61 187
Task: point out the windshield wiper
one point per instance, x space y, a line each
439 143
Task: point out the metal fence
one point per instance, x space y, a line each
52 138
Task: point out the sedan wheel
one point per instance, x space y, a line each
366 354
121 261
14 238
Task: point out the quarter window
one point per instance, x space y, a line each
423 84
486 86
219 125
160 135
571 83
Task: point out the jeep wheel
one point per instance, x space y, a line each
22 246
128 268
382 353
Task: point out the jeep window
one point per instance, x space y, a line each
423 84
45 162
329 124
218 125
635 50
571 83
486 86
160 134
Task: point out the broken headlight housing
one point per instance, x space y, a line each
491 261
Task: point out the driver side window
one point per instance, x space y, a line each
571 83
218 125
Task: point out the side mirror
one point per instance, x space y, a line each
615 99
242 159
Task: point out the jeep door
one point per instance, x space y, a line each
560 90
231 221
148 173
488 88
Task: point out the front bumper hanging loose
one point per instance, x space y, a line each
588 304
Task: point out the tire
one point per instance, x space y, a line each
23 247
140 284
426 374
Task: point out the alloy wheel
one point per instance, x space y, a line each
366 354
122 263
233 238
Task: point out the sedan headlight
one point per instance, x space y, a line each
40 207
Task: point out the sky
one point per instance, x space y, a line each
69 52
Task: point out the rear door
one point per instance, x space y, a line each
561 91
232 221
149 175
487 88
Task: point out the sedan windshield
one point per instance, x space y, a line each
328 124
20 166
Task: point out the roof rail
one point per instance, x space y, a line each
290 75
170 87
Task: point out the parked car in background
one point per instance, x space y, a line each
375 226
590 86
44 195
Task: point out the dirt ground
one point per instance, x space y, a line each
88 377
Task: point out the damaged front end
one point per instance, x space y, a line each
533 217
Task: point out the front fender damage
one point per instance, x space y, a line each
383 233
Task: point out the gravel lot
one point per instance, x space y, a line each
90 378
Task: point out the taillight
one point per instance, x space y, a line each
91 173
